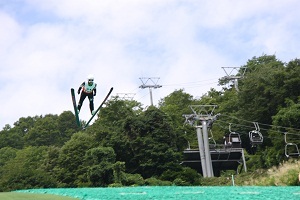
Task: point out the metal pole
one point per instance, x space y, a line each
206 149
151 100
244 161
236 84
201 151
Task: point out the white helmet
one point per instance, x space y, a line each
90 77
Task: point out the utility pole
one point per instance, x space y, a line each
234 78
202 119
153 84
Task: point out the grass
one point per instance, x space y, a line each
285 174
24 196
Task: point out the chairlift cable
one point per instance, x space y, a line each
242 133
261 123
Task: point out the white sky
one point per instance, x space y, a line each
50 46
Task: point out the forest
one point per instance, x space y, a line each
130 144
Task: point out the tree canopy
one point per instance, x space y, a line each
129 144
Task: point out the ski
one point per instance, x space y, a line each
111 89
75 107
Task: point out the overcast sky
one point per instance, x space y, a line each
50 46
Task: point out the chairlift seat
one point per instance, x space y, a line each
292 150
255 137
233 140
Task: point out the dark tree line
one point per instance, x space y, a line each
130 145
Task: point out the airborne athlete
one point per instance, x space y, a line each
87 89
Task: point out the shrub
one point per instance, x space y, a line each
133 179
180 182
156 182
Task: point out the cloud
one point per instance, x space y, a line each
49 46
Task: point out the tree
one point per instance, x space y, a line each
292 80
23 125
44 133
119 171
66 126
109 128
6 154
50 163
288 116
23 171
70 165
116 111
175 105
153 143
261 91
99 163
11 138
14 136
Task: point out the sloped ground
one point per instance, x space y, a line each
176 192
285 174
30 196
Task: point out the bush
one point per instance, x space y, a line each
180 182
115 185
187 175
26 179
156 182
216 181
133 179
101 175
291 178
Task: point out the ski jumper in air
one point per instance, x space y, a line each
87 89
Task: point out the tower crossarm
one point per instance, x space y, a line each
239 72
203 110
150 82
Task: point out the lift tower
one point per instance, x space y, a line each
153 84
229 77
202 119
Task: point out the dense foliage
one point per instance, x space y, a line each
130 145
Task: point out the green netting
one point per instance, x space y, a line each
176 192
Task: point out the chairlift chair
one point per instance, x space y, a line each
233 139
291 150
255 136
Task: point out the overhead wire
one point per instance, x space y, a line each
243 133
296 129
200 83
192 84
264 129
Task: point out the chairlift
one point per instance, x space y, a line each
255 136
233 139
291 149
